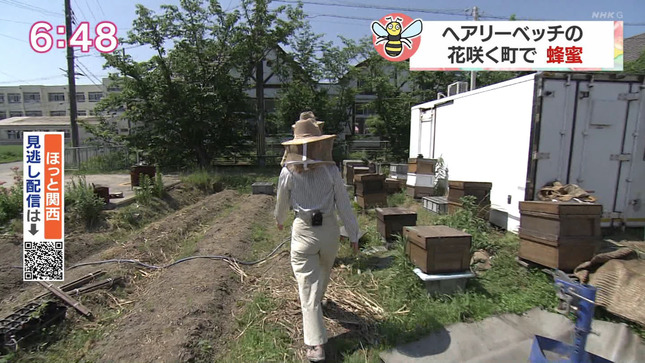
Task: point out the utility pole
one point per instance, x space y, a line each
473 74
71 74
259 94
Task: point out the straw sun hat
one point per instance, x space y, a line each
308 145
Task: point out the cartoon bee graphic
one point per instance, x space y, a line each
394 36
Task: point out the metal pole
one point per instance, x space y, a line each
71 74
473 74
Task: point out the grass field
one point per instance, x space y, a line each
10 153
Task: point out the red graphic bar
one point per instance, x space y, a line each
53 183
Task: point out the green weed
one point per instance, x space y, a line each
10 153
11 199
81 202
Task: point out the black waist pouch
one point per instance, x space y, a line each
317 218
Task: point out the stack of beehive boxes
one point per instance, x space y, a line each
370 190
559 235
348 173
421 177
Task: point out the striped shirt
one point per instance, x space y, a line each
320 188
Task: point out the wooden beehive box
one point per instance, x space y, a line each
438 249
391 221
369 184
566 256
421 166
552 222
418 192
354 170
399 171
372 200
559 235
347 164
393 185
480 190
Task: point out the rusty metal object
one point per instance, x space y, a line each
67 299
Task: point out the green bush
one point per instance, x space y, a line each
466 219
81 203
11 199
201 179
117 160
144 193
159 188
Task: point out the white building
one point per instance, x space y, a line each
11 129
32 101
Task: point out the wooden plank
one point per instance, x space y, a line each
75 284
67 299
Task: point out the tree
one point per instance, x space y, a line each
188 103
315 77
636 66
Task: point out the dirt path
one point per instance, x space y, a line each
83 247
180 303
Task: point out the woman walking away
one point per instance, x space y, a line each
311 184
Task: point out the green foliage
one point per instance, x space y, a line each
11 198
240 181
10 153
109 162
396 199
159 188
259 341
187 103
637 66
310 63
467 219
81 203
145 191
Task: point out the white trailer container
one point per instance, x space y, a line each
521 134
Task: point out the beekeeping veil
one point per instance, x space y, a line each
309 145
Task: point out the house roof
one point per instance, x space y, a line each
634 47
43 121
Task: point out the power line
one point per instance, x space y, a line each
363 6
90 9
14 38
100 7
81 10
16 21
29 7
31 80
88 73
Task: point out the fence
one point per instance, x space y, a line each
98 158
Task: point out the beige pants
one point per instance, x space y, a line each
313 251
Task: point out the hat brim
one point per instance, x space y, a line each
306 140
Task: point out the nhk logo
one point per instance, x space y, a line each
396 36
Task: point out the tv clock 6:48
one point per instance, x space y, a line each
105 41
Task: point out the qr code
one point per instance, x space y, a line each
43 261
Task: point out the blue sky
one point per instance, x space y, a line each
20 65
